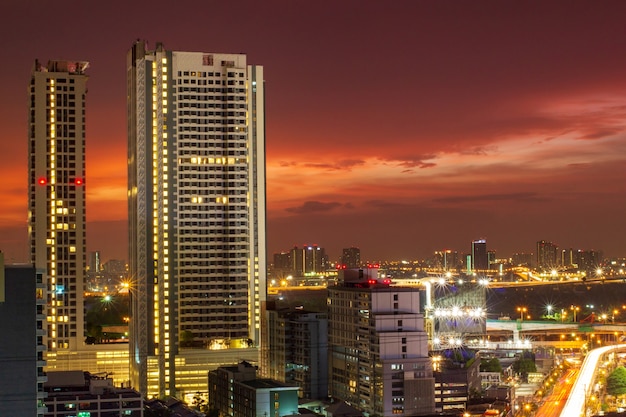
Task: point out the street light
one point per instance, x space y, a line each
522 310
574 309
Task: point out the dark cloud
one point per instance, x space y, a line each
514 197
602 133
313 207
413 161
342 165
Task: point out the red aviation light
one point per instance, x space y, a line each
42 181
78 181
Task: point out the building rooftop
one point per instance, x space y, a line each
71 67
266 383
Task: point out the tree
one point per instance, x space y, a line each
186 338
490 365
199 402
616 382
524 366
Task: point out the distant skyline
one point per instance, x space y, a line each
401 127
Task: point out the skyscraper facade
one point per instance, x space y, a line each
297 350
310 259
22 320
378 347
196 205
56 177
351 257
546 254
480 258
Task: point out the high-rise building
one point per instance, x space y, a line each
56 178
95 262
196 205
310 259
546 254
567 257
297 350
56 215
587 261
22 319
351 257
447 260
480 257
522 259
378 347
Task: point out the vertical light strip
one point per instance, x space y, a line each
165 258
155 203
52 208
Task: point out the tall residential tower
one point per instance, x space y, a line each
56 203
196 206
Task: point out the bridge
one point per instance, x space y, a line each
516 327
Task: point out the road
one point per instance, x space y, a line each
576 403
553 404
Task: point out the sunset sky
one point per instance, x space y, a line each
400 127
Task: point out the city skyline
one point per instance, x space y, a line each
398 128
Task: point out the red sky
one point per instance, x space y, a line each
401 127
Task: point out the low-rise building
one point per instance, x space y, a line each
235 391
455 383
81 394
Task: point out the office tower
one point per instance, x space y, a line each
297 350
282 266
56 218
95 262
546 255
522 259
310 259
22 319
351 257
480 258
378 347
447 260
588 261
567 258
196 205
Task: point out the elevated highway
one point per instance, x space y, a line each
517 327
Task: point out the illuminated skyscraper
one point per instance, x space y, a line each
546 254
480 258
196 205
56 177
310 259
